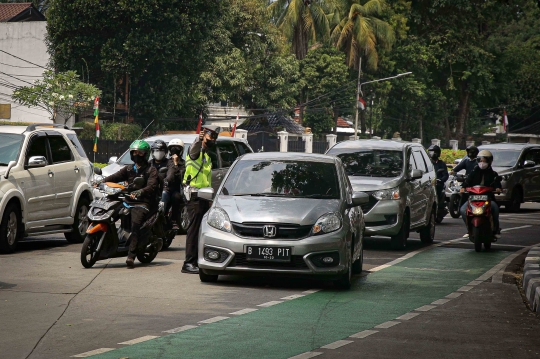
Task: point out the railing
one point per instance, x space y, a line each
105 149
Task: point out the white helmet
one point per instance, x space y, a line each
176 147
176 142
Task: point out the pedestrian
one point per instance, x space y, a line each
198 175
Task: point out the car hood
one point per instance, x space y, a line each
111 169
503 170
366 184
301 211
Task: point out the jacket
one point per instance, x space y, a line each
486 177
467 164
167 163
444 176
198 171
175 175
129 172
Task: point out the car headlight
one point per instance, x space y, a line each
392 193
327 223
218 218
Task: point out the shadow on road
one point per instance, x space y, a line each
38 244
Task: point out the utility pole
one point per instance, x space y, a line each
358 97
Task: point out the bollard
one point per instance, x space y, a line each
308 142
283 141
331 140
436 142
238 133
351 138
416 140
454 144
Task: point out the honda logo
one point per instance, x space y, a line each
269 231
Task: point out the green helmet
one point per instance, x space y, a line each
142 146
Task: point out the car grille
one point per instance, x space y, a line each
239 260
283 231
372 202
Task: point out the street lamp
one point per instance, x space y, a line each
359 91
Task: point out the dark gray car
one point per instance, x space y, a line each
284 213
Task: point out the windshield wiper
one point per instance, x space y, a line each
268 194
317 196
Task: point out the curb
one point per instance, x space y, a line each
531 278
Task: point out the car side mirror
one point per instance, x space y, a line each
415 174
359 198
206 193
37 161
10 165
113 159
528 164
138 182
97 171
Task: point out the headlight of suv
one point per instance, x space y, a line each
219 219
392 193
327 223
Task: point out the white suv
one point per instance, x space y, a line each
44 184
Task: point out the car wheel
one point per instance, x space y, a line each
515 202
359 263
427 233
207 278
345 281
399 241
9 229
80 223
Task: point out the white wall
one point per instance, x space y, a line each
27 41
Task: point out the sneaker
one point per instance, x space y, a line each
466 235
130 263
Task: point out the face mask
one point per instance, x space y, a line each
140 160
483 165
159 155
175 151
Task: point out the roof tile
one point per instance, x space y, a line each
7 11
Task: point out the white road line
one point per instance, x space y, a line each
475 282
93 352
244 311
454 295
408 316
139 340
294 296
337 344
425 308
513 228
271 303
465 288
180 329
498 276
311 291
440 301
386 325
306 355
213 320
363 334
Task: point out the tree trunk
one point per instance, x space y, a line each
300 41
447 126
463 110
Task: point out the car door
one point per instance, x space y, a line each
531 175
38 184
227 155
66 174
415 192
426 180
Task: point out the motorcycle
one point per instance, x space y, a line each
442 211
104 240
454 197
479 218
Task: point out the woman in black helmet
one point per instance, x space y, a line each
469 163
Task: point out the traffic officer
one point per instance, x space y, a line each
198 175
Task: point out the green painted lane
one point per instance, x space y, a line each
307 323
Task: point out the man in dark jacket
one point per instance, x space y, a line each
441 171
142 200
173 192
469 163
484 175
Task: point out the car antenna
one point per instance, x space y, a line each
143 131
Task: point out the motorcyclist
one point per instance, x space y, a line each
469 163
434 153
141 201
159 155
175 174
484 175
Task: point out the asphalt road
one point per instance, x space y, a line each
445 304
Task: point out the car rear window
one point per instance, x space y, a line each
370 162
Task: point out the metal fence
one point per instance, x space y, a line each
105 149
320 146
263 142
296 145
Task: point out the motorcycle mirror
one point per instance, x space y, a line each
97 170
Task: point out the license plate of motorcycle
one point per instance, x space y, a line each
271 254
479 197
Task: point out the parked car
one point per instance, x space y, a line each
283 213
228 149
44 184
400 181
519 166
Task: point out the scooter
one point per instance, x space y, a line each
479 218
453 195
104 240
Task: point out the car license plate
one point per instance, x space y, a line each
479 197
273 254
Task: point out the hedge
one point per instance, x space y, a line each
449 156
116 131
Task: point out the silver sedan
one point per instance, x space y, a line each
283 213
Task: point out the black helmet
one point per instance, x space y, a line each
434 151
472 151
159 145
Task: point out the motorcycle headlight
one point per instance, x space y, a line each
478 211
383 194
218 218
327 223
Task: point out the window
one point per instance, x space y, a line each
10 145
427 161
75 141
60 149
420 164
533 155
412 163
228 153
370 163
242 148
38 147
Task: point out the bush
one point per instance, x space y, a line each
112 131
100 165
449 156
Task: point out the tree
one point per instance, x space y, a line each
61 94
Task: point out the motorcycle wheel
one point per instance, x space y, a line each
477 239
88 254
487 246
167 241
147 257
453 205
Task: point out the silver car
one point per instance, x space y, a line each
283 213
400 181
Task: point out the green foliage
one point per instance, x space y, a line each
59 94
100 165
109 131
448 156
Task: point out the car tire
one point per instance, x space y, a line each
345 280
10 229
359 263
515 201
207 278
80 222
399 241
477 239
427 233
487 246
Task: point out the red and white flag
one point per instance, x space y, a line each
200 123
505 122
361 103
234 127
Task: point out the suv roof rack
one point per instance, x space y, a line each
54 125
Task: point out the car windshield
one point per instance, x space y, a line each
272 178
125 159
10 145
505 158
371 162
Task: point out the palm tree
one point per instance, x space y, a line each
360 31
301 21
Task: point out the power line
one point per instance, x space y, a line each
16 78
20 67
17 57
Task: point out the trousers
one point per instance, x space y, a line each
494 213
175 199
196 209
136 241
